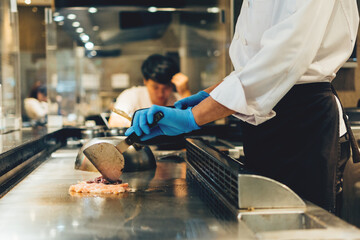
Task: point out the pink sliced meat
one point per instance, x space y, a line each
99 186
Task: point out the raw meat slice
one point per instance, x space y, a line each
100 186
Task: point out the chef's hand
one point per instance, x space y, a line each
192 100
174 122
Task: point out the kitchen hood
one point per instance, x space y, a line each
107 25
110 27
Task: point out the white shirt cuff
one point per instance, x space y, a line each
230 93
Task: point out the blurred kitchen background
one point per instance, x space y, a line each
87 52
88 55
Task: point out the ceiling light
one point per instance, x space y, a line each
89 45
71 16
27 2
85 38
95 28
213 10
92 10
58 18
79 30
152 9
76 24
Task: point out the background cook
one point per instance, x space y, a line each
160 74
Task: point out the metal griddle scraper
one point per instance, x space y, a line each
108 159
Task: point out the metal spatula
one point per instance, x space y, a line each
108 159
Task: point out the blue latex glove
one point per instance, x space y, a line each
192 100
174 122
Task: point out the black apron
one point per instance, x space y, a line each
300 145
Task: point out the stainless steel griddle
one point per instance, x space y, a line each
174 201
162 206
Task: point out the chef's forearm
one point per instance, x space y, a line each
209 110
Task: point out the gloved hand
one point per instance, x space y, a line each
192 100
174 122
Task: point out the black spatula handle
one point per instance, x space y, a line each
157 117
132 138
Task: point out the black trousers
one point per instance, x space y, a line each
300 145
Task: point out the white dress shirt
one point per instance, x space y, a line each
280 43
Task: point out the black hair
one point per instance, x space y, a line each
40 89
159 68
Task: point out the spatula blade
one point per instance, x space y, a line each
107 159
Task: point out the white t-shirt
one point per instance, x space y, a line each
35 109
136 98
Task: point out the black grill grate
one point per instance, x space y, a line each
218 169
215 205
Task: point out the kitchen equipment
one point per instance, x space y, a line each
267 208
111 131
91 132
108 159
114 131
135 159
242 188
122 113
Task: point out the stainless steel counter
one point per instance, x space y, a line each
15 139
162 207
22 151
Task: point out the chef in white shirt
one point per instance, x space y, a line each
161 74
285 55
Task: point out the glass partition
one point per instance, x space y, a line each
96 53
10 103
